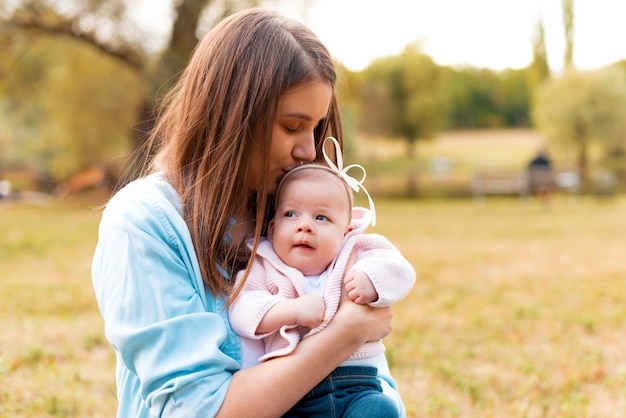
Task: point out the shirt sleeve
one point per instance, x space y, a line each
167 334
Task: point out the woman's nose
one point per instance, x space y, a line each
304 149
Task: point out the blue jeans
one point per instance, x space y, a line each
348 392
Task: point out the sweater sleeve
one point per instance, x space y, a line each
264 288
391 274
252 303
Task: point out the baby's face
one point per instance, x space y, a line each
311 220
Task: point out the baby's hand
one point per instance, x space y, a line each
310 310
359 287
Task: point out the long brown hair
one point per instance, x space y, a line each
224 101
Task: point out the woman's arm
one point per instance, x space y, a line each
315 357
172 343
175 353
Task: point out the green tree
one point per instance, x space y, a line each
481 98
539 67
402 98
584 109
64 107
348 87
513 98
568 27
98 25
539 70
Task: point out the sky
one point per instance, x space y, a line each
493 34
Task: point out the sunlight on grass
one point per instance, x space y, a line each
54 360
466 150
517 311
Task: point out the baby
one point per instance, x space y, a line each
316 246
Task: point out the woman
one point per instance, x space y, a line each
256 100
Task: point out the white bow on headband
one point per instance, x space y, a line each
355 184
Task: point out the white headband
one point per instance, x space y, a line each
342 172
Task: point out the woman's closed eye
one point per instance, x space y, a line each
292 129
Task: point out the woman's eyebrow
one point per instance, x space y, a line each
298 115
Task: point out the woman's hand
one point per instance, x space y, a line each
370 324
313 359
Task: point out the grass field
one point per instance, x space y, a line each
518 310
465 152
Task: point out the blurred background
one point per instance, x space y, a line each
447 99
517 105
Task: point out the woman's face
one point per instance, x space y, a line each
298 112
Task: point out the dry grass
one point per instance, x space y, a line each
518 310
465 151
481 148
54 360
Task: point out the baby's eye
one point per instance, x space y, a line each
322 218
289 214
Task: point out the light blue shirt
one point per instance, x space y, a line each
175 349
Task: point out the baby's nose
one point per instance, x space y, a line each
305 226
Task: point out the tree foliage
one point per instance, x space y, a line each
402 96
539 69
61 109
584 109
79 80
349 84
568 28
75 76
482 98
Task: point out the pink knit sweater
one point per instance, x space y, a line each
272 281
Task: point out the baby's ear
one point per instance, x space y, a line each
350 228
270 231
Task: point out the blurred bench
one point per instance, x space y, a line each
522 183
493 182
568 181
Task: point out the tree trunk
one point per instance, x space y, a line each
412 188
181 45
175 58
583 163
